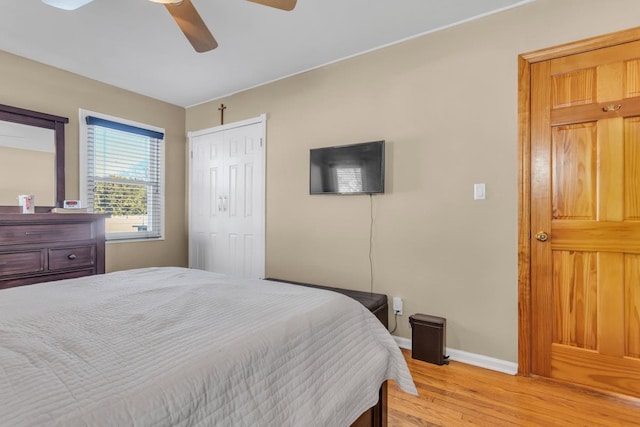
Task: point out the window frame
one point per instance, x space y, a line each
132 236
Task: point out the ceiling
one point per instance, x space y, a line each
135 44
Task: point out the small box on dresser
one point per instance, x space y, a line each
43 247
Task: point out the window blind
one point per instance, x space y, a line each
124 171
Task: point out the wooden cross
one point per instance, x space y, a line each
221 109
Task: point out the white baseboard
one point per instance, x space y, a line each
474 359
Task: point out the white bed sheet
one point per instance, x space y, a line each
180 347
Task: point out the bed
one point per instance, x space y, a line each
180 347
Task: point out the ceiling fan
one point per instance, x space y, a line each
185 15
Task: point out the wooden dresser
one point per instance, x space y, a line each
43 247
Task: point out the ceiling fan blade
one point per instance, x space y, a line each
192 25
278 4
67 4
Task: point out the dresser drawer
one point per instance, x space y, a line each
21 262
40 233
11 282
70 257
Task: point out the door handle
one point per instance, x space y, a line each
219 203
542 236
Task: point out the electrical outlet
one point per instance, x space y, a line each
397 306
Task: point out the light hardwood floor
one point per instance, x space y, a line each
460 394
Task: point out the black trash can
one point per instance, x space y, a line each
429 338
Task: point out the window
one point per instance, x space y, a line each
122 170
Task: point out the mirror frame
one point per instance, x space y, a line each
47 121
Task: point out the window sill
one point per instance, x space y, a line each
146 239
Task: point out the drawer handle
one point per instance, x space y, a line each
38 233
72 256
612 107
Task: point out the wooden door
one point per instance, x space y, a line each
227 200
585 199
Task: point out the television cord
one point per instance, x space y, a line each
371 243
395 317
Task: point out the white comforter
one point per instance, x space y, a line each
179 347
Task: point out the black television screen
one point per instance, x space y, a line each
347 169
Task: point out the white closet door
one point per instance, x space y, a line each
226 206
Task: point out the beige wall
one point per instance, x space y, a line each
446 104
34 86
25 177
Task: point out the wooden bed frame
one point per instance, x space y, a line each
375 416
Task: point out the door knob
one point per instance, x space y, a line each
542 236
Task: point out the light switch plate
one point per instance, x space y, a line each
479 192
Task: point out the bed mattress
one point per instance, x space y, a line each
181 347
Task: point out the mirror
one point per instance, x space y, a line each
31 156
27 163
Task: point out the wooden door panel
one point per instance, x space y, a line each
620 375
610 155
610 304
575 296
599 236
632 168
632 78
609 78
632 306
574 171
575 88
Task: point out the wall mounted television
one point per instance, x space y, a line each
347 169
